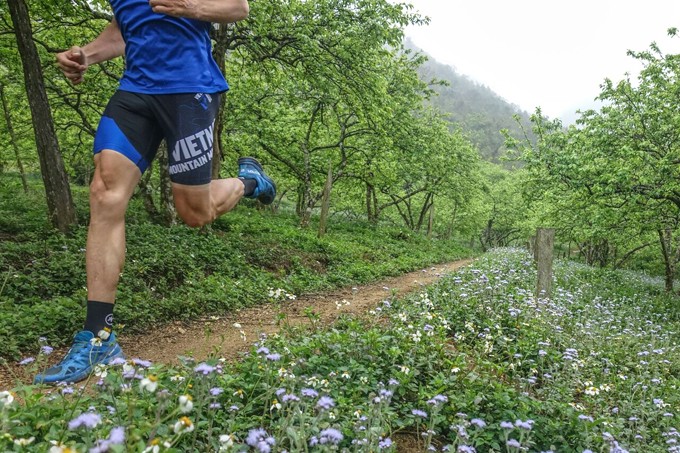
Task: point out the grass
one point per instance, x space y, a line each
178 273
473 363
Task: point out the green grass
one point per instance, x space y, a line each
490 367
180 273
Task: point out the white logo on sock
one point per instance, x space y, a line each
109 320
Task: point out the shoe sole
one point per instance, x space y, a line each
252 161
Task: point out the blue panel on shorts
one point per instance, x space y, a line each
109 136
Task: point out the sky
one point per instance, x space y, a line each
552 54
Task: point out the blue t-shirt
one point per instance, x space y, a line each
165 54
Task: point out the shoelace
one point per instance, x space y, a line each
76 354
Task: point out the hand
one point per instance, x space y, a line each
73 64
176 8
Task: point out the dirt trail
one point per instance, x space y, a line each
217 334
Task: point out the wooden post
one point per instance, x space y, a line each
545 243
326 201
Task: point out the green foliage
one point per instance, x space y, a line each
180 273
474 360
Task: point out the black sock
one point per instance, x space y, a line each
99 315
250 186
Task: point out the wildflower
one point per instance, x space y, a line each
183 425
118 361
141 363
438 399
6 398
240 393
345 375
330 436
226 442
273 357
478 422
325 403
87 420
104 334
290 398
215 391
204 369
149 384
263 350
186 404
233 408
384 443
507 425
585 418
513 443
116 437
275 405
419 413
309 393
393 382
46 350
466 449
527 425
27 360
22 442
259 439
592 391
215 405
96 341
404 369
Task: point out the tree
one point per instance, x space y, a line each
61 211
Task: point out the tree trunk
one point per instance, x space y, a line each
545 245
13 137
220 55
61 210
666 238
168 211
326 201
430 222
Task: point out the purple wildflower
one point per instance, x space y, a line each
325 403
330 436
216 391
309 393
259 439
117 361
385 443
513 443
46 350
87 420
289 398
478 422
419 413
392 383
507 425
274 357
204 369
27 360
527 425
142 363
263 350
466 449
233 408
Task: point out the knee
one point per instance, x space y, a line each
104 200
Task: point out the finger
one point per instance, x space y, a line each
78 55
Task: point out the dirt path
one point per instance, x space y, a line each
221 336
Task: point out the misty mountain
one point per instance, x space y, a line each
473 107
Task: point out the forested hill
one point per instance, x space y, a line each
479 111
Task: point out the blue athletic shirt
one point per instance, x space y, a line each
165 54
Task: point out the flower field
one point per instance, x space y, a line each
474 363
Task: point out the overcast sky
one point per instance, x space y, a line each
547 53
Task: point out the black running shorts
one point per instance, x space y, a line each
134 124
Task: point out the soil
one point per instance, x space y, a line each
231 334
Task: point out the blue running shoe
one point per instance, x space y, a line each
81 359
250 168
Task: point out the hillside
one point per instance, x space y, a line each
475 108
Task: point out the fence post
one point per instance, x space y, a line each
545 243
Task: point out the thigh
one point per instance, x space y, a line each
129 127
188 122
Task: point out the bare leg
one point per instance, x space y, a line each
114 181
200 205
